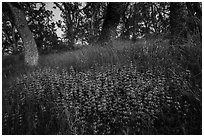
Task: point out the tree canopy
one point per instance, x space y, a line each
98 22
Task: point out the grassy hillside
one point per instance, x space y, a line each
148 87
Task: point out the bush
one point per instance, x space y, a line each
107 100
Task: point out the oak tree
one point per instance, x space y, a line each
30 47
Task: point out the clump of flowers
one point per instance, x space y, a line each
112 100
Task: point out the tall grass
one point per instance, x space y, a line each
124 89
91 55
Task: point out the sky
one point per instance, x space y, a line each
56 12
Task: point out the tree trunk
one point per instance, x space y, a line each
111 21
69 23
30 47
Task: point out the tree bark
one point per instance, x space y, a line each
30 47
111 21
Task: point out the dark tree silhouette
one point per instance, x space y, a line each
111 21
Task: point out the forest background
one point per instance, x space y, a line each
134 67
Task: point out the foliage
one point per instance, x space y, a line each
10 37
83 22
40 23
143 87
80 23
109 99
144 18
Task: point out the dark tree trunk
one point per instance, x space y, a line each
30 47
177 27
111 21
69 23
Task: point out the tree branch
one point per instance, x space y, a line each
160 10
59 6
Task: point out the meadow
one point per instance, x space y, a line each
148 87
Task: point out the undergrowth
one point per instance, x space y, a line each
140 90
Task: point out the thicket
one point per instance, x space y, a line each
145 89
